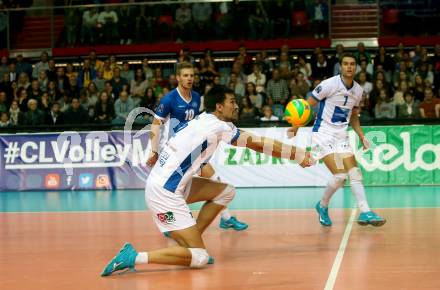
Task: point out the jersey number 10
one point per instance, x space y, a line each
189 115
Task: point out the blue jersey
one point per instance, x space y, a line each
173 106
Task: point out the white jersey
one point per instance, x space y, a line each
336 103
190 149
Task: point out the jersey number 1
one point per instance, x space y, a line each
189 115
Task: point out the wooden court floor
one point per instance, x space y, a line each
62 240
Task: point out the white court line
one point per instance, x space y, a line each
338 259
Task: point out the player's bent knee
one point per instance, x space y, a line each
199 257
338 180
226 196
355 174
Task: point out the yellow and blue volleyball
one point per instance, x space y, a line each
298 112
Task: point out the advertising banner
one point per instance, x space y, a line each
407 155
72 160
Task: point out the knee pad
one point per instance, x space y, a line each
226 196
199 257
355 175
337 180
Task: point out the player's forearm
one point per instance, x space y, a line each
154 136
272 147
356 124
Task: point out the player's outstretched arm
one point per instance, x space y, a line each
274 148
154 140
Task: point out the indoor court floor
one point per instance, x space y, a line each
62 241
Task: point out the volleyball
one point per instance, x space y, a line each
298 112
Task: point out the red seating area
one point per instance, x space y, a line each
35 32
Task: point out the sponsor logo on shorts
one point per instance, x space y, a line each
166 218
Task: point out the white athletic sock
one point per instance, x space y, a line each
226 215
328 193
142 258
359 192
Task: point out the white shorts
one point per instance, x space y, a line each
324 144
169 209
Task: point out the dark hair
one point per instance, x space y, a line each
216 95
183 65
347 54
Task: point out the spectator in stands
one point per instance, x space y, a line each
159 82
127 23
52 91
365 67
202 13
3 102
362 51
277 88
62 81
259 22
22 66
86 74
284 65
123 106
172 80
73 90
257 78
89 23
336 66
4 118
5 84
299 86
70 71
71 23
109 90
248 112
44 103
23 98
12 71
148 71
256 98
76 114
318 14
305 68
15 115
117 81
385 108
54 116
419 88
43 80
138 86
430 107
108 25
33 116
268 114
410 108
4 65
107 71
104 109
366 85
148 101
183 24
322 69
23 81
399 94
43 64
237 85
126 72
383 59
237 68
424 72
95 63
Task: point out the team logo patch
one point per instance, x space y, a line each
166 218
160 108
318 89
194 104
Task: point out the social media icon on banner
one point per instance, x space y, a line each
86 180
102 180
52 181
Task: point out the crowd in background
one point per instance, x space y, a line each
103 90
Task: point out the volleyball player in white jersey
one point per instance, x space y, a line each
180 106
338 101
171 185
